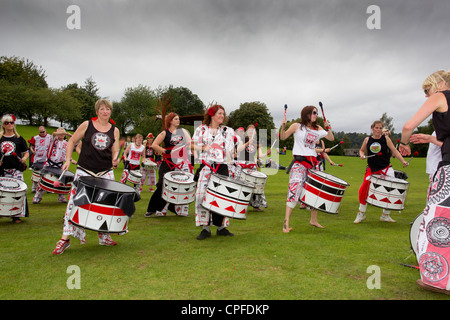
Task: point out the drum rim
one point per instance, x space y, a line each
250 171
237 181
387 178
125 188
169 174
410 229
319 173
22 184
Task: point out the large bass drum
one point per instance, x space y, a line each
103 205
13 194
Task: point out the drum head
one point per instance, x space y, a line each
12 184
179 177
387 178
328 176
254 173
414 232
236 181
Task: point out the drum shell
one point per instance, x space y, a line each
414 232
97 204
48 178
135 177
149 164
387 192
99 217
36 175
179 187
228 197
12 196
256 178
323 191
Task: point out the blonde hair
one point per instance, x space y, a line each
8 117
433 80
103 102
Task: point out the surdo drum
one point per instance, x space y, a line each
323 191
149 164
135 177
255 177
36 175
12 196
179 187
228 197
387 192
414 232
50 175
103 205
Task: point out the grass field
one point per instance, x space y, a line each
160 258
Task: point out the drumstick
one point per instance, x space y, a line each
273 144
339 165
336 145
285 109
122 143
415 155
57 183
323 114
373 155
409 265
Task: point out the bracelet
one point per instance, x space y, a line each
403 144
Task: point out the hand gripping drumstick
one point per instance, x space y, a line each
323 114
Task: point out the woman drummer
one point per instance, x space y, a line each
214 143
246 160
98 157
379 149
433 239
306 134
132 158
176 142
149 172
13 155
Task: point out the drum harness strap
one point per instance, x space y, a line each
308 162
168 159
99 174
247 166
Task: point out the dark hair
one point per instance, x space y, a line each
305 116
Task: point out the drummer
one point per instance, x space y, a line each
13 155
246 160
99 155
306 134
39 146
148 172
176 142
132 157
55 159
214 143
379 148
432 245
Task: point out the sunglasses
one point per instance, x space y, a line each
314 112
427 91
8 122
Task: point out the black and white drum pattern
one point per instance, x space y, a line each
387 192
179 187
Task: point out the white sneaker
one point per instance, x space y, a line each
360 217
386 218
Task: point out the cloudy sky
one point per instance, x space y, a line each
294 52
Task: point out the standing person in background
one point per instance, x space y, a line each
149 173
132 157
13 156
39 146
99 155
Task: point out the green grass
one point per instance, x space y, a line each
160 257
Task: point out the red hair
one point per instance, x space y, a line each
169 119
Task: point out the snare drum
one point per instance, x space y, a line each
149 164
12 196
387 192
135 177
255 177
50 175
414 232
227 196
103 205
323 191
179 187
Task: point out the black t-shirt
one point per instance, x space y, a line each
375 146
12 148
441 123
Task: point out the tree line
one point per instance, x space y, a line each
24 92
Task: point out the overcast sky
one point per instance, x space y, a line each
294 52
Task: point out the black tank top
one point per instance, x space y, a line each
441 123
374 146
96 149
174 139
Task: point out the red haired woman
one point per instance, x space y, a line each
175 157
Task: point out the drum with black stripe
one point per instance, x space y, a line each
227 196
387 192
323 191
103 205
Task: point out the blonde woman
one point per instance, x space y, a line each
13 155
